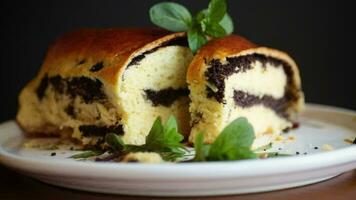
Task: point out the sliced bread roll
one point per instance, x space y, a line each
95 82
232 77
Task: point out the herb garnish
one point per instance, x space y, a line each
211 22
233 143
163 139
87 154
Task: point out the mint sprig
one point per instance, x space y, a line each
162 138
87 154
211 22
170 16
233 143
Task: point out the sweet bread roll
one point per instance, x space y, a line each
94 82
231 77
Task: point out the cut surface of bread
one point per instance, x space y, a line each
95 82
232 77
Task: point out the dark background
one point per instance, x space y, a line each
317 34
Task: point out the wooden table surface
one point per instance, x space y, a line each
16 186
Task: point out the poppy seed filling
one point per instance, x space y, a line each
89 90
180 41
165 97
93 130
217 73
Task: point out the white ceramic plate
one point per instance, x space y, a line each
319 125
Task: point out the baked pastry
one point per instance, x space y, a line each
94 82
232 77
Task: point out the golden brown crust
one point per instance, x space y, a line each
112 46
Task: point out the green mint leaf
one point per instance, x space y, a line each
216 10
213 21
201 150
87 154
161 138
215 30
201 15
172 136
170 16
196 39
114 141
164 140
172 154
227 24
234 142
155 138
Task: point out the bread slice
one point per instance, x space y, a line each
94 82
232 77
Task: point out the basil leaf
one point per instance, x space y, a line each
170 16
227 24
196 39
234 142
216 10
87 154
215 30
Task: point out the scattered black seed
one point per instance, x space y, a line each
316 147
71 148
264 149
279 148
53 154
305 153
295 125
98 66
81 62
276 154
297 153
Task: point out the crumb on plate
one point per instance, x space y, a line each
143 157
327 147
